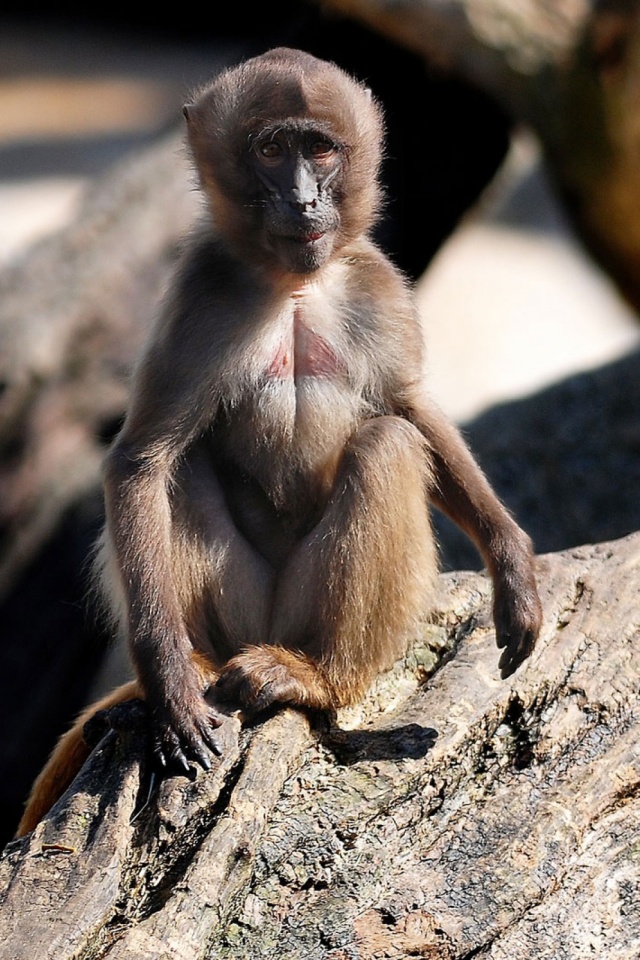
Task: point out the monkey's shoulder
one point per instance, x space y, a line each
381 298
372 277
208 270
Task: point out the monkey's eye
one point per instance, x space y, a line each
271 150
322 149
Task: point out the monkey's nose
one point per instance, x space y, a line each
303 204
304 190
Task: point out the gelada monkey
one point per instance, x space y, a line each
267 499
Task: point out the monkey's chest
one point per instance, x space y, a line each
302 352
291 412
293 402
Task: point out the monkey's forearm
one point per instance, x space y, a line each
139 522
461 491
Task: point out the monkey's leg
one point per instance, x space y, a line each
353 588
224 591
226 587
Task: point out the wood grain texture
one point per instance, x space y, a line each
450 815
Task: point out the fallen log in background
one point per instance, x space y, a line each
463 816
73 313
568 69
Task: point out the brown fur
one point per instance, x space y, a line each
71 750
67 758
267 499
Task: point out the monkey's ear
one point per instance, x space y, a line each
187 112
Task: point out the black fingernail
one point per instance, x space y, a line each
183 764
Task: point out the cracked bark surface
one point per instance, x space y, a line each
452 815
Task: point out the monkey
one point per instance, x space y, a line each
268 497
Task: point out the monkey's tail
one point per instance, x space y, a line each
67 758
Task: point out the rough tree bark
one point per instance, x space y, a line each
570 69
464 817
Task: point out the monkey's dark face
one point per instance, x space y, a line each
297 171
287 148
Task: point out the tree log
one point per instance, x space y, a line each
570 69
463 816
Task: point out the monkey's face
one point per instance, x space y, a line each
287 148
297 172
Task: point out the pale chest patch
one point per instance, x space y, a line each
293 403
304 341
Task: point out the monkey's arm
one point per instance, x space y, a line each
463 493
139 472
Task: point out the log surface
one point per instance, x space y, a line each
452 815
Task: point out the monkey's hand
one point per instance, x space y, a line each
182 728
517 613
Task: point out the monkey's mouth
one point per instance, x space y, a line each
307 238
303 251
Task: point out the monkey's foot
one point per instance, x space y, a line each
261 676
120 716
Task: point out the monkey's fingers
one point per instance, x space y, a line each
518 617
167 752
206 728
175 744
515 653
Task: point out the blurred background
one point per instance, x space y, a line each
512 204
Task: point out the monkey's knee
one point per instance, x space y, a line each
387 462
388 446
394 466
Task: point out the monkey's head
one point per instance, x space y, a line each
288 148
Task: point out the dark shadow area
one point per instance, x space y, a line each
566 461
50 652
409 742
